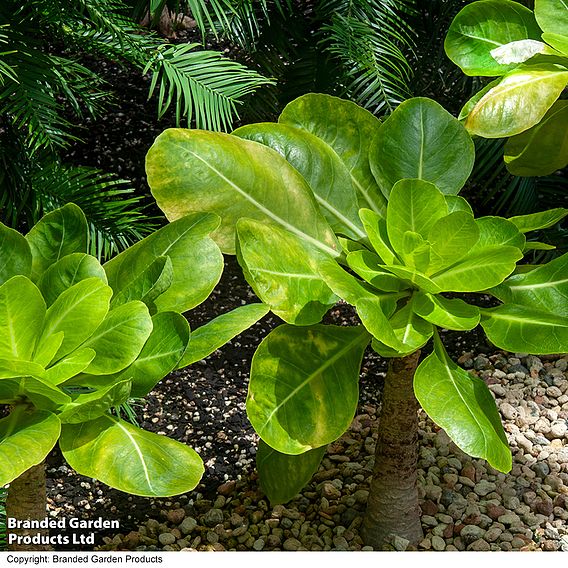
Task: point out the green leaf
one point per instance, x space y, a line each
348 129
283 271
479 270
520 51
411 330
48 348
421 140
10 368
303 389
66 272
443 312
376 228
540 220
415 251
345 285
320 166
15 254
69 366
130 459
529 89
217 332
414 205
35 389
552 16
451 238
119 339
496 231
544 288
22 312
557 41
535 245
89 406
148 285
59 233
25 441
160 354
463 406
193 170
481 27
77 312
524 329
374 316
470 104
283 476
542 149
366 265
188 245
414 278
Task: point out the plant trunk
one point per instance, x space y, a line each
27 499
392 508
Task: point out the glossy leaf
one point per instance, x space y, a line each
410 329
344 284
66 272
519 51
15 254
415 251
69 366
463 406
160 355
524 329
283 476
89 406
457 203
22 311
320 166
542 149
451 238
348 129
57 234
535 245
436 148
215 333
557 41
304 389
47 348
544 288
414 205
479 270
150 284
496 231
518 102
130 459
414 278
25 441
366 264
119 339
446 313
481 27
552 16
77 312
374 315
376 228
283 271
39 391
470 104
194 170
11 367
135 272
540 220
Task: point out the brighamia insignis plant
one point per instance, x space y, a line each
79 338
528 52
329 204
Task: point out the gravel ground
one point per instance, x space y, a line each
466 505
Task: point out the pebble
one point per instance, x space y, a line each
438 543
167 538
484 487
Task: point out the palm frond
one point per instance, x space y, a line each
203 85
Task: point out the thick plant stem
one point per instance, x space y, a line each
392 508
27 499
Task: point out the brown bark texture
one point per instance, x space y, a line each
27 499
392 507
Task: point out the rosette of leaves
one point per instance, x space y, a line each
79 339
328 204
527 52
